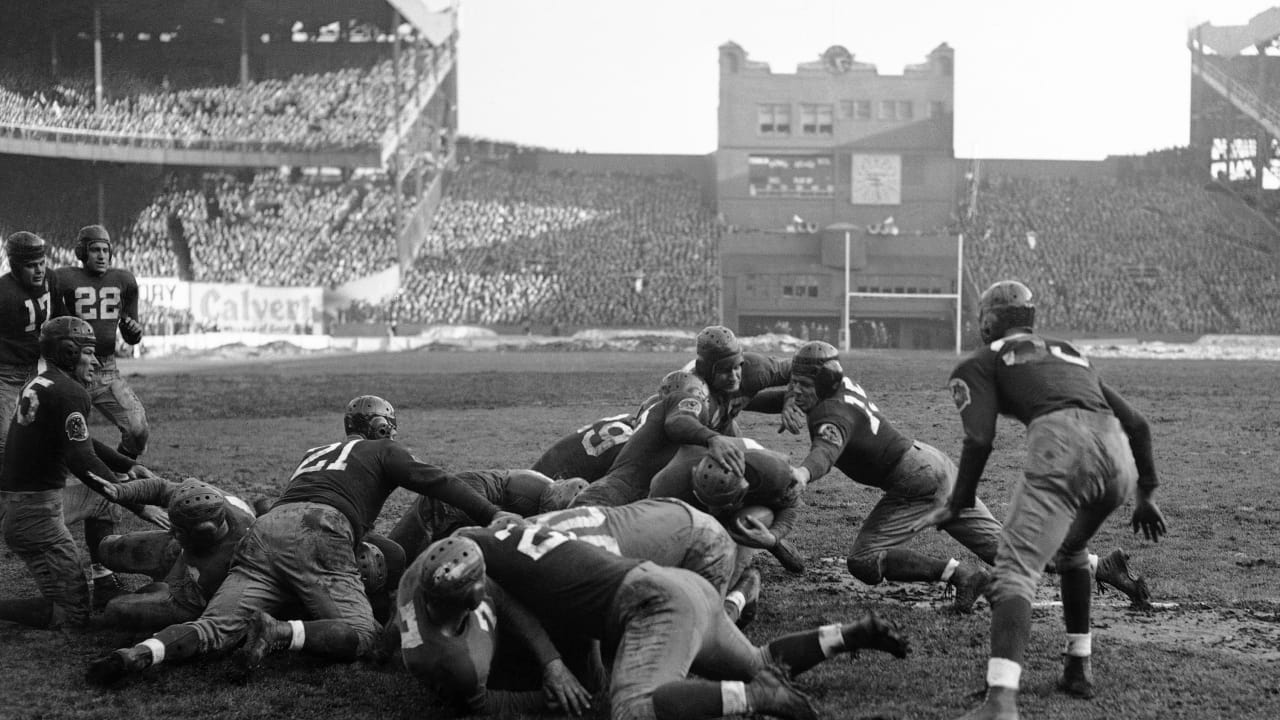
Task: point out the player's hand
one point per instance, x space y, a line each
1148 520
793 418
111 492
503 518
562 689
138 472
938 517
748 531
800 476
132 326
728 453
155 515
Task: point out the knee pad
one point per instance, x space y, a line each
1071 559
867 568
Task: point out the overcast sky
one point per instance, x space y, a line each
1034 79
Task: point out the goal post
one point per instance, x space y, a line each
849 294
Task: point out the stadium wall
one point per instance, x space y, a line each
1080 169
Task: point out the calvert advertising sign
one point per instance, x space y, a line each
238 306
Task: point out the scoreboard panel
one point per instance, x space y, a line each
791 176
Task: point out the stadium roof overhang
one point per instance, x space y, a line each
1232 40
261 16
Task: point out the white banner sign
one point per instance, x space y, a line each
242 307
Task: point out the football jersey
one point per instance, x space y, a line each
49 425
519 492
675 420
848 430
591 450
758 372
457 664
566 583
22 312
1024 376
100 300
655 530
356 476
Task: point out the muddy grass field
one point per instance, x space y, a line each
1212 651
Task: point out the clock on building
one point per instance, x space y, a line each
837 59
876 180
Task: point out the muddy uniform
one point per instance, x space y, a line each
429 519
668 532
48 437
662 622
591 450
1080 462
190 577
22 312
304 546
101 300
848 431
675 420
487 666
758 372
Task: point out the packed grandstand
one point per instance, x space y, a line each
1157 249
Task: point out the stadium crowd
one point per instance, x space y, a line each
1151 254
345 109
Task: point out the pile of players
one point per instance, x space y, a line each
619 565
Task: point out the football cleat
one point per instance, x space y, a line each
749 586
771 693
872 633
265 635
115 667
1077 677
1114 570
970 584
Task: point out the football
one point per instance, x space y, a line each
759 512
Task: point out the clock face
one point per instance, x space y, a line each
877 180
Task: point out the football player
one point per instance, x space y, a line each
734 379
678 418
662 623
523 492
49 438
28 296
304 548
769 482
849 432
190 561
106 297
446 631
1087 450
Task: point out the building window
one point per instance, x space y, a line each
816 119
888 110
846 109
775 119
800 286
861 109
937 108
906 110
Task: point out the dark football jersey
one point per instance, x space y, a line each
457 664
591 450
758 372
849 431
356 476
22 312
566 583
100 300
1024 377
48 427
677 419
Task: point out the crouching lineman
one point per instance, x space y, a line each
679 418
523 492
303 549
48 437
661 623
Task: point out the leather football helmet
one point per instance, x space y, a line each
720 490
23 247
1003 306
453 573
716 344
683 381
370 417
90 234
62 339
821 362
